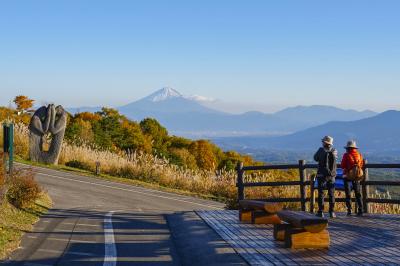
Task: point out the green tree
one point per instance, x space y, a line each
132 138
107 130
158 134
79 131
179 142
230 160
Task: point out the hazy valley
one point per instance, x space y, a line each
283 136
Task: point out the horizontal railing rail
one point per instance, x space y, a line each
382 183
271 167
303 183
272 184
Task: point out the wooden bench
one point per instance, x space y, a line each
302 230
259 212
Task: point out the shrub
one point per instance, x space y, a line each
79 165
23 190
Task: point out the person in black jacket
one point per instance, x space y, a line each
326 156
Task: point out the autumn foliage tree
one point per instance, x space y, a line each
23 103
203 152
158 134
107 130
110 130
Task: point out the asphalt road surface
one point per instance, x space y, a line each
98 222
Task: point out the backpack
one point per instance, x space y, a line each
328 168
356 173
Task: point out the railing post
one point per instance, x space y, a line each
8 146
365 188
97 171
302 172
239 183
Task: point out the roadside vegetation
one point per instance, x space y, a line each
22 202
146 152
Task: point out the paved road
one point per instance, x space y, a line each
97 222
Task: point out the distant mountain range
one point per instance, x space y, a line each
379 134
320 113
187 116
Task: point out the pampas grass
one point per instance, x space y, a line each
220 185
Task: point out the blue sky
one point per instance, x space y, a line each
262 54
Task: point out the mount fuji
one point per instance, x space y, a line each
163 94
162 102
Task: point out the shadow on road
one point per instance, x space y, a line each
76 237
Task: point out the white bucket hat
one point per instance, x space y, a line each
328 140
351 144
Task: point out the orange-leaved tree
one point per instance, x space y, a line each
204 154
23 103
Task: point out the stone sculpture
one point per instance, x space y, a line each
45 121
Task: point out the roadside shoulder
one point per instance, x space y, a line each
15 222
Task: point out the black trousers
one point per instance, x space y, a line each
323 184
356 188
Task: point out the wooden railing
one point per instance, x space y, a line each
303 183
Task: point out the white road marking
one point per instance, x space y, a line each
110 255
67 252
64 240
91 225
131 190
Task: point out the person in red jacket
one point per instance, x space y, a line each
350 159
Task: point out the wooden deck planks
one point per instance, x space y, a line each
369 240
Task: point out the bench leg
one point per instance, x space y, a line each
279 231
298 239
245 216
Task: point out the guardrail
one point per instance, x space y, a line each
303 183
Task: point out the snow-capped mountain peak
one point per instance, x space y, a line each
168 93
164 94
165 101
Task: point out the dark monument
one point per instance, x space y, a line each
47 120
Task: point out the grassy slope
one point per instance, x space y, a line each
14 222
124 180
